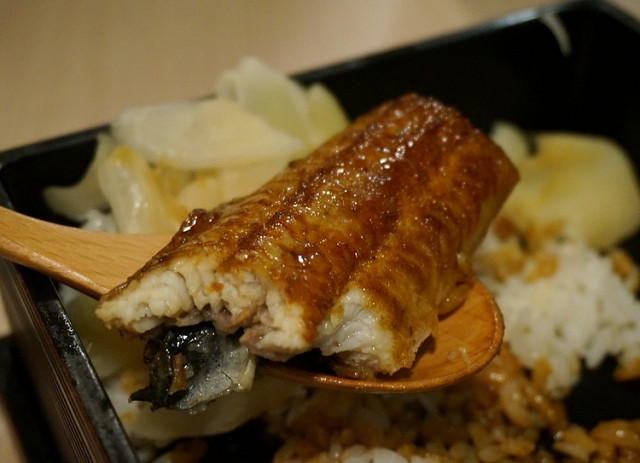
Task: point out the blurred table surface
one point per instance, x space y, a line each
70 65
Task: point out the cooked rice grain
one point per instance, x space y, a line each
565 304
500 415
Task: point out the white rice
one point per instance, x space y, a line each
580 314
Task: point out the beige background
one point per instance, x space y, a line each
68 65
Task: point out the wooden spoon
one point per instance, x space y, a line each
94 262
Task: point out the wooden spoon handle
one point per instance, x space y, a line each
92 262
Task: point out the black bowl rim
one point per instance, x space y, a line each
42 292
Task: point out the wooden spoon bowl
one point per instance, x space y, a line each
95 262
467 339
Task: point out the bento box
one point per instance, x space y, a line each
566 67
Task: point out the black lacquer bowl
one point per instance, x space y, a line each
568 67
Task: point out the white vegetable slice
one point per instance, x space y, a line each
209 189
138 203
312 114
512 140
585 182
245 180
204 192
205 134
327 116
76 200
271 95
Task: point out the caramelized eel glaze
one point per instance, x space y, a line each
394 205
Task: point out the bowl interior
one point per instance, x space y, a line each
566 67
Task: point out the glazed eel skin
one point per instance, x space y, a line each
354 250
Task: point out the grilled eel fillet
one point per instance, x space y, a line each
354 250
